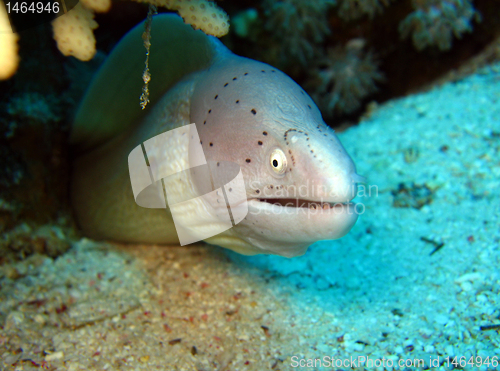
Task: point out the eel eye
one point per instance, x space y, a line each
277 160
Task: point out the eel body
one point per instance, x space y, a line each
298 178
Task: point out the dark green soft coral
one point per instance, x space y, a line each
300 26
435 22
341 80
354 9
344 78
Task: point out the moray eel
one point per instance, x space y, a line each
299 179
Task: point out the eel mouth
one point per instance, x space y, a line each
301 203
286 226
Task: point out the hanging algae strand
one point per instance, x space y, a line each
146 75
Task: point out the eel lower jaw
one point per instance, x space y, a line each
287 227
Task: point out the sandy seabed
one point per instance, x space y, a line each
414 285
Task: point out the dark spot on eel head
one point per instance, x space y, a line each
260 142
238 101
205 122
226 84
216 96
257 191
234 78
210 110
264 132
253 111
211 144
248 160
246 73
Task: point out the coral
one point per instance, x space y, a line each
299 26
354 9
73 33
8 46
434 22
99 6
344 78
201 14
